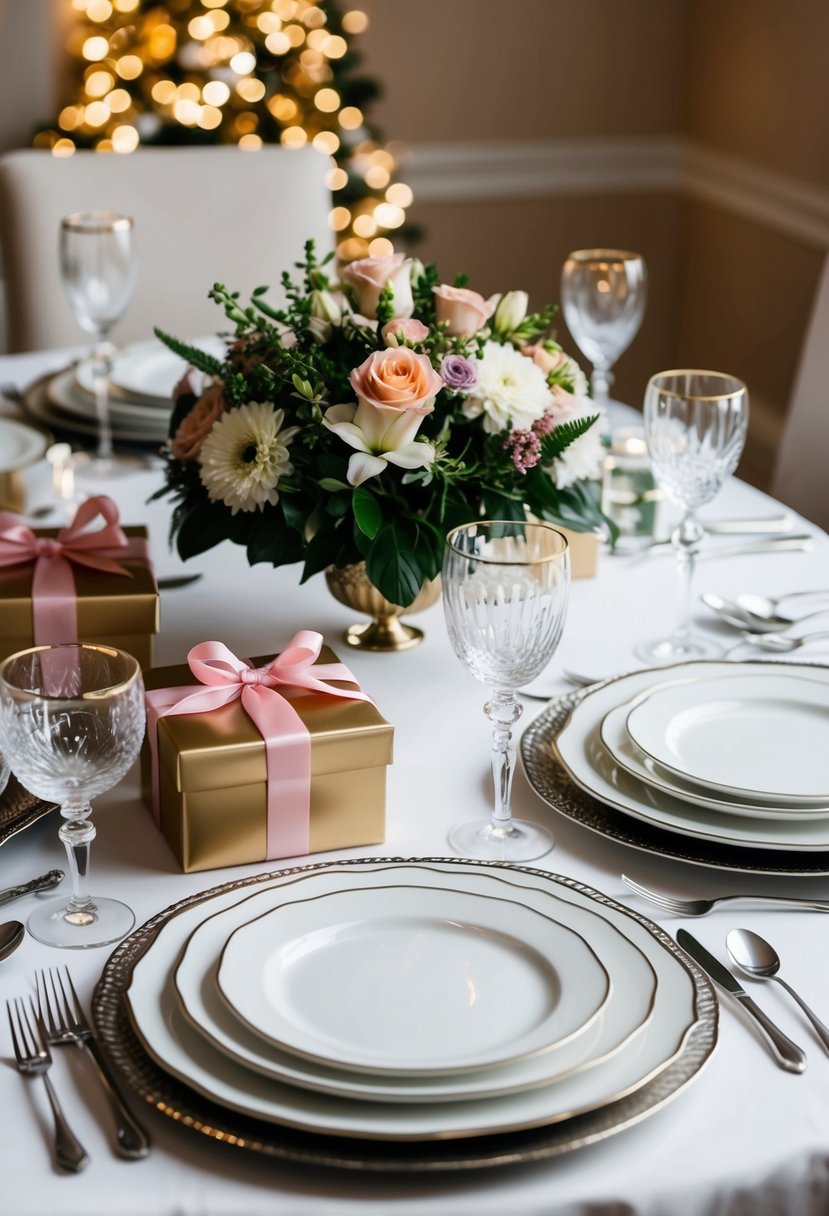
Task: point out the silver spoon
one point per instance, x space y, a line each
759 608
756 957
778 643
767 605
11 935
739 613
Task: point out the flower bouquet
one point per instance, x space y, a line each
364 419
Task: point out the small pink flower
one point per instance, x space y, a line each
404 331
368 277
463 312
525 449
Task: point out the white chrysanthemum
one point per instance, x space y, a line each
511 391
245 455
584 459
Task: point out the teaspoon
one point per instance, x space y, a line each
758 958
740 613
11 935
778 643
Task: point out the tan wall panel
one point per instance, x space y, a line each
746 299
758 85
522 244
524 69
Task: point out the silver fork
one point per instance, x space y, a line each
63 1018
33 1059
699 907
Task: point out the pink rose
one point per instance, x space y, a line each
465 311
369 276
548 361
404 331
196 425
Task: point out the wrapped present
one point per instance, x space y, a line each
279 757
89 582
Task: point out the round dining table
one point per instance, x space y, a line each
745 1138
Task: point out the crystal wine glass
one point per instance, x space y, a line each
695 428
603 293
71 722
505 591
97 266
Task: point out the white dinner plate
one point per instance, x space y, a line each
40 407
626 1014
427 981
66 395
580 748
633 760
755 734
20 445
148 371
176 1047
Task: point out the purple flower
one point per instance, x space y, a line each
459 373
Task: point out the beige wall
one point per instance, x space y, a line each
30 35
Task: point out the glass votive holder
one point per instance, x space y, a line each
630 496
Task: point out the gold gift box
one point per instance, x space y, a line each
212 774
112 609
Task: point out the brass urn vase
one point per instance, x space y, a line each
385 631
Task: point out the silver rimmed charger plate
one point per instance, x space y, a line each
551 780
179 1102
19 810
37 405
628 1013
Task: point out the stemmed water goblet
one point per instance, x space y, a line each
71 723
505 591
695 429
97 267
603 294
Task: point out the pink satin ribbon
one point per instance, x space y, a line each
287 739
54 598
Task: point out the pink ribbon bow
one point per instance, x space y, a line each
287 739
54 599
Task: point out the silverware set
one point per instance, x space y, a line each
752 956
54 1017
762 626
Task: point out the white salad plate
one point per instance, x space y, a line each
171 1041
633 760
427 981
65 393
39 405
580 748
627 1012
20 445
757 734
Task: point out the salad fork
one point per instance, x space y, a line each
34 1059
59 1009
700 907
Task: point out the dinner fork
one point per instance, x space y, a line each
59 1009
34 1059
699 907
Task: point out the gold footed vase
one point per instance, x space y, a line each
385 631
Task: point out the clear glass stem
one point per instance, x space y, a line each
686 540
77 835
101 368
600 385
503 710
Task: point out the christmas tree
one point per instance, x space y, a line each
247 72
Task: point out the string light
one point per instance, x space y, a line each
245 72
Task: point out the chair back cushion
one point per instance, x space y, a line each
202 215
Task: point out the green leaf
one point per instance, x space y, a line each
559 440
392 564
204 525
321 551
205 363
296 516
367 512
332 484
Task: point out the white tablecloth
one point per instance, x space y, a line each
744 1138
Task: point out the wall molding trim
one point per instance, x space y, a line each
530 169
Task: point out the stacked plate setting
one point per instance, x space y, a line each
141 383
731 754
417 1001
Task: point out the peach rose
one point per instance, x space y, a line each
404 331
197 424
397 379
464 311
369 276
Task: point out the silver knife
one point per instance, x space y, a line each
787 1053
44 883
737 527
801 542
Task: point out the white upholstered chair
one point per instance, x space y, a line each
801 476
202 215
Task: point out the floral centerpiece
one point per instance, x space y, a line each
366 418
